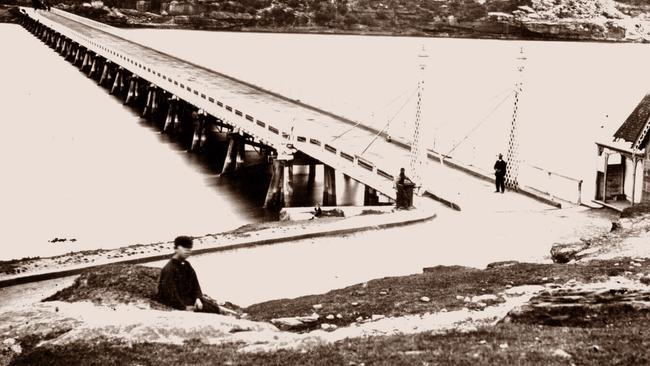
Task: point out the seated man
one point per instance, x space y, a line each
178 286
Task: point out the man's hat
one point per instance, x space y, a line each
183 241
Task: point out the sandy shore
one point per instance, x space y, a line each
35 269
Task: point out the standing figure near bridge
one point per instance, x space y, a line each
500 173
404 194
178 285
402 176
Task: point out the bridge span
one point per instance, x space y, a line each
189 101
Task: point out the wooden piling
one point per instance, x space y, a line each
198 119
170 120
85 60
288 185
106 73
275 195
177 128
152 106
131 94
241 150
370 197
311 177
117 81
232 149
329 186
77 55
93 67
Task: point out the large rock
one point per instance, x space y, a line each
296 323
64 323
564 253
584 304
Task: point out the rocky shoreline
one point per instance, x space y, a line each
448 314
6 15
592 310
551 30
559 20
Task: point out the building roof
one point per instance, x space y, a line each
620 147
632 129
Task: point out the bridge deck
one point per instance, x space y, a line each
214 92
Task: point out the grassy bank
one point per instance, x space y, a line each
618 339
447 287
584 312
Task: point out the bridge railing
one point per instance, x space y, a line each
204 98
221 106
553 184
349 163
83 20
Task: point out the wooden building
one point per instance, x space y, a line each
623 177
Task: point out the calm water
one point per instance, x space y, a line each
77 164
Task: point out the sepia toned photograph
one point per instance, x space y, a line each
325 182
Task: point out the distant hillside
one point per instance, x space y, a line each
549 19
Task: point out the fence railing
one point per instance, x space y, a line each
554 184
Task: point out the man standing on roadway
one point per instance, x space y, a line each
500 173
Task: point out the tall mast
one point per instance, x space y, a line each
417 150
512 155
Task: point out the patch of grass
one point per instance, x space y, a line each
619 338
10 266
396 296
505 344
117 283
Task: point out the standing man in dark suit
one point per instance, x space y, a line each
500 173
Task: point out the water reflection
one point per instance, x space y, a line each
78 164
